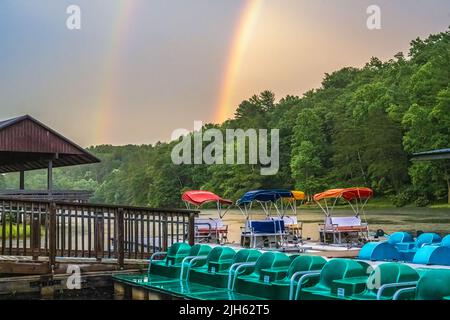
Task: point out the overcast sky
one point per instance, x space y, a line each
139 69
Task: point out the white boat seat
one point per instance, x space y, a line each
344 224
210 224
290 220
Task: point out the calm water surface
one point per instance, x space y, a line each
390 220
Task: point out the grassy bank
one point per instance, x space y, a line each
440 206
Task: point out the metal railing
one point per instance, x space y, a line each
63 229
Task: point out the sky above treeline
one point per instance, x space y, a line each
139 69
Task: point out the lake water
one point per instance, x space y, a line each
390 220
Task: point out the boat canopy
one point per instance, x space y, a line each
292 201
268 198
348 194
357 198
298 195
264 196
198 198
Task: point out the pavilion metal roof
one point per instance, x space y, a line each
27 144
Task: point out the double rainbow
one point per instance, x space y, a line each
111 69
111 83
241 38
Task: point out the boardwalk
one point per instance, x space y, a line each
100 232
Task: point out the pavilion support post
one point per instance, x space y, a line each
22 180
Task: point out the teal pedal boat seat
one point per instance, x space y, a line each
446 241
427 239
433 255
400 237
408 250
271 266
385 280
177 252
401 247
201 280
302 264
275 283
387 250
169 269
216 273
423 239
272 261
379 251
165 269
162 268
434 285
187 283
219 259
245 285
335 269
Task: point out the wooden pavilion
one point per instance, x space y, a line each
27 144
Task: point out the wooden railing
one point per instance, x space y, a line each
80 196
63 229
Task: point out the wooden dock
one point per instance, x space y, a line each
52 238
25 265
46 286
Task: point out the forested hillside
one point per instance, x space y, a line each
359 128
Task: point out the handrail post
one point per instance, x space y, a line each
165 231
191 228
35 235
99 235
52 235
120 238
